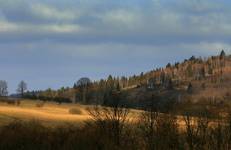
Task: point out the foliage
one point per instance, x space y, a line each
75 111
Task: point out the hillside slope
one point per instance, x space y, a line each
193 81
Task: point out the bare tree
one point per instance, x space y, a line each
3 88
111 120
197 130
22 87
159 131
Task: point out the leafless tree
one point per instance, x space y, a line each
3 88
22 87
111 120
197 130
160 131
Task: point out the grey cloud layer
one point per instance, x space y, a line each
67 39
113 20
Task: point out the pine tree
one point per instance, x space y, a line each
193 58
222 54
168 65
170 84
118 86
190 88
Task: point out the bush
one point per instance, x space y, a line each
40 104
23 136
75 111
161 133
33 135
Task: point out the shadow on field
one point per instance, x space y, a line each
110 128
158 133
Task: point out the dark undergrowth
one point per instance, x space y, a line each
154 132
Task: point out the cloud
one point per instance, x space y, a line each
121 18
59 41
113 20
48 12
7 27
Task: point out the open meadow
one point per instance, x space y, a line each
53 126
49 113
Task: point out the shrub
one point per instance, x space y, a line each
75 111
40 104
10 102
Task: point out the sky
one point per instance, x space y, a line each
53 43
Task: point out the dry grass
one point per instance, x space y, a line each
53 114
75 111
49 114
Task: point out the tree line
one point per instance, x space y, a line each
169 78
161 79
21 89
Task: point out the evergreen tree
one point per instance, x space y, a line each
117 86
75 86
222 54
170 84
190 88
168 65
189 70
83 86
110 82
193 58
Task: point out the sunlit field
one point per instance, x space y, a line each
50 125
50 113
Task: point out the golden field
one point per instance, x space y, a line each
51 114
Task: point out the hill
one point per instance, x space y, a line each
187 107
202 81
